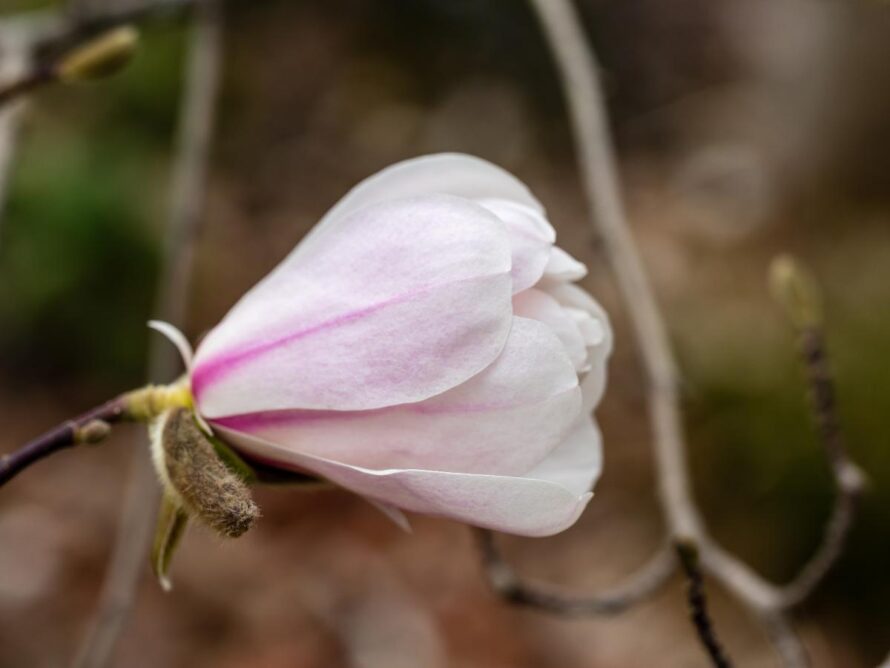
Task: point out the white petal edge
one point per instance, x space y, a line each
563 267
455 174
177 338
392 513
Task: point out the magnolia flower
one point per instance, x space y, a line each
421 347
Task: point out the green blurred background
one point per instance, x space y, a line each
744 129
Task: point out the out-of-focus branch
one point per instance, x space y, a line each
698 605
507 584
99 57
15 59
797 291
196 125
848 478
579 74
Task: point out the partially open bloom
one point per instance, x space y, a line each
421 347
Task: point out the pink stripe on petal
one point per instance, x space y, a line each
503 421
396 303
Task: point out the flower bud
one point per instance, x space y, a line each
425 347
103 56
195 476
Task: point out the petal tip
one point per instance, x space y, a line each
177 338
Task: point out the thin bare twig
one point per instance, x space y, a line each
15 58
196 128
507 584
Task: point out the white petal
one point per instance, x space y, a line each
531 240
563 267
440 174
594 326
520 505
575 297
578 461
541 306
397 302
394 514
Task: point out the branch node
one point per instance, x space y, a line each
93 432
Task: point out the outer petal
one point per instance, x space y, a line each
578 461
531 240
505 420
544 308
440 174
521 505
397 302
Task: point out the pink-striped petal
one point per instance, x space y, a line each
398 302
505 420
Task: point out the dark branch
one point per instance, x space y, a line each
508 585
28 82
84 429
698 607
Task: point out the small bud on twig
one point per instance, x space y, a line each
101 57
92 432
795 289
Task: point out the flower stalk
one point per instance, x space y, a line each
94 426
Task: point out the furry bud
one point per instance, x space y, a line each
194 475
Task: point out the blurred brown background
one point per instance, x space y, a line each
745 128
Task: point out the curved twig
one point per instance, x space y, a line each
645 582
